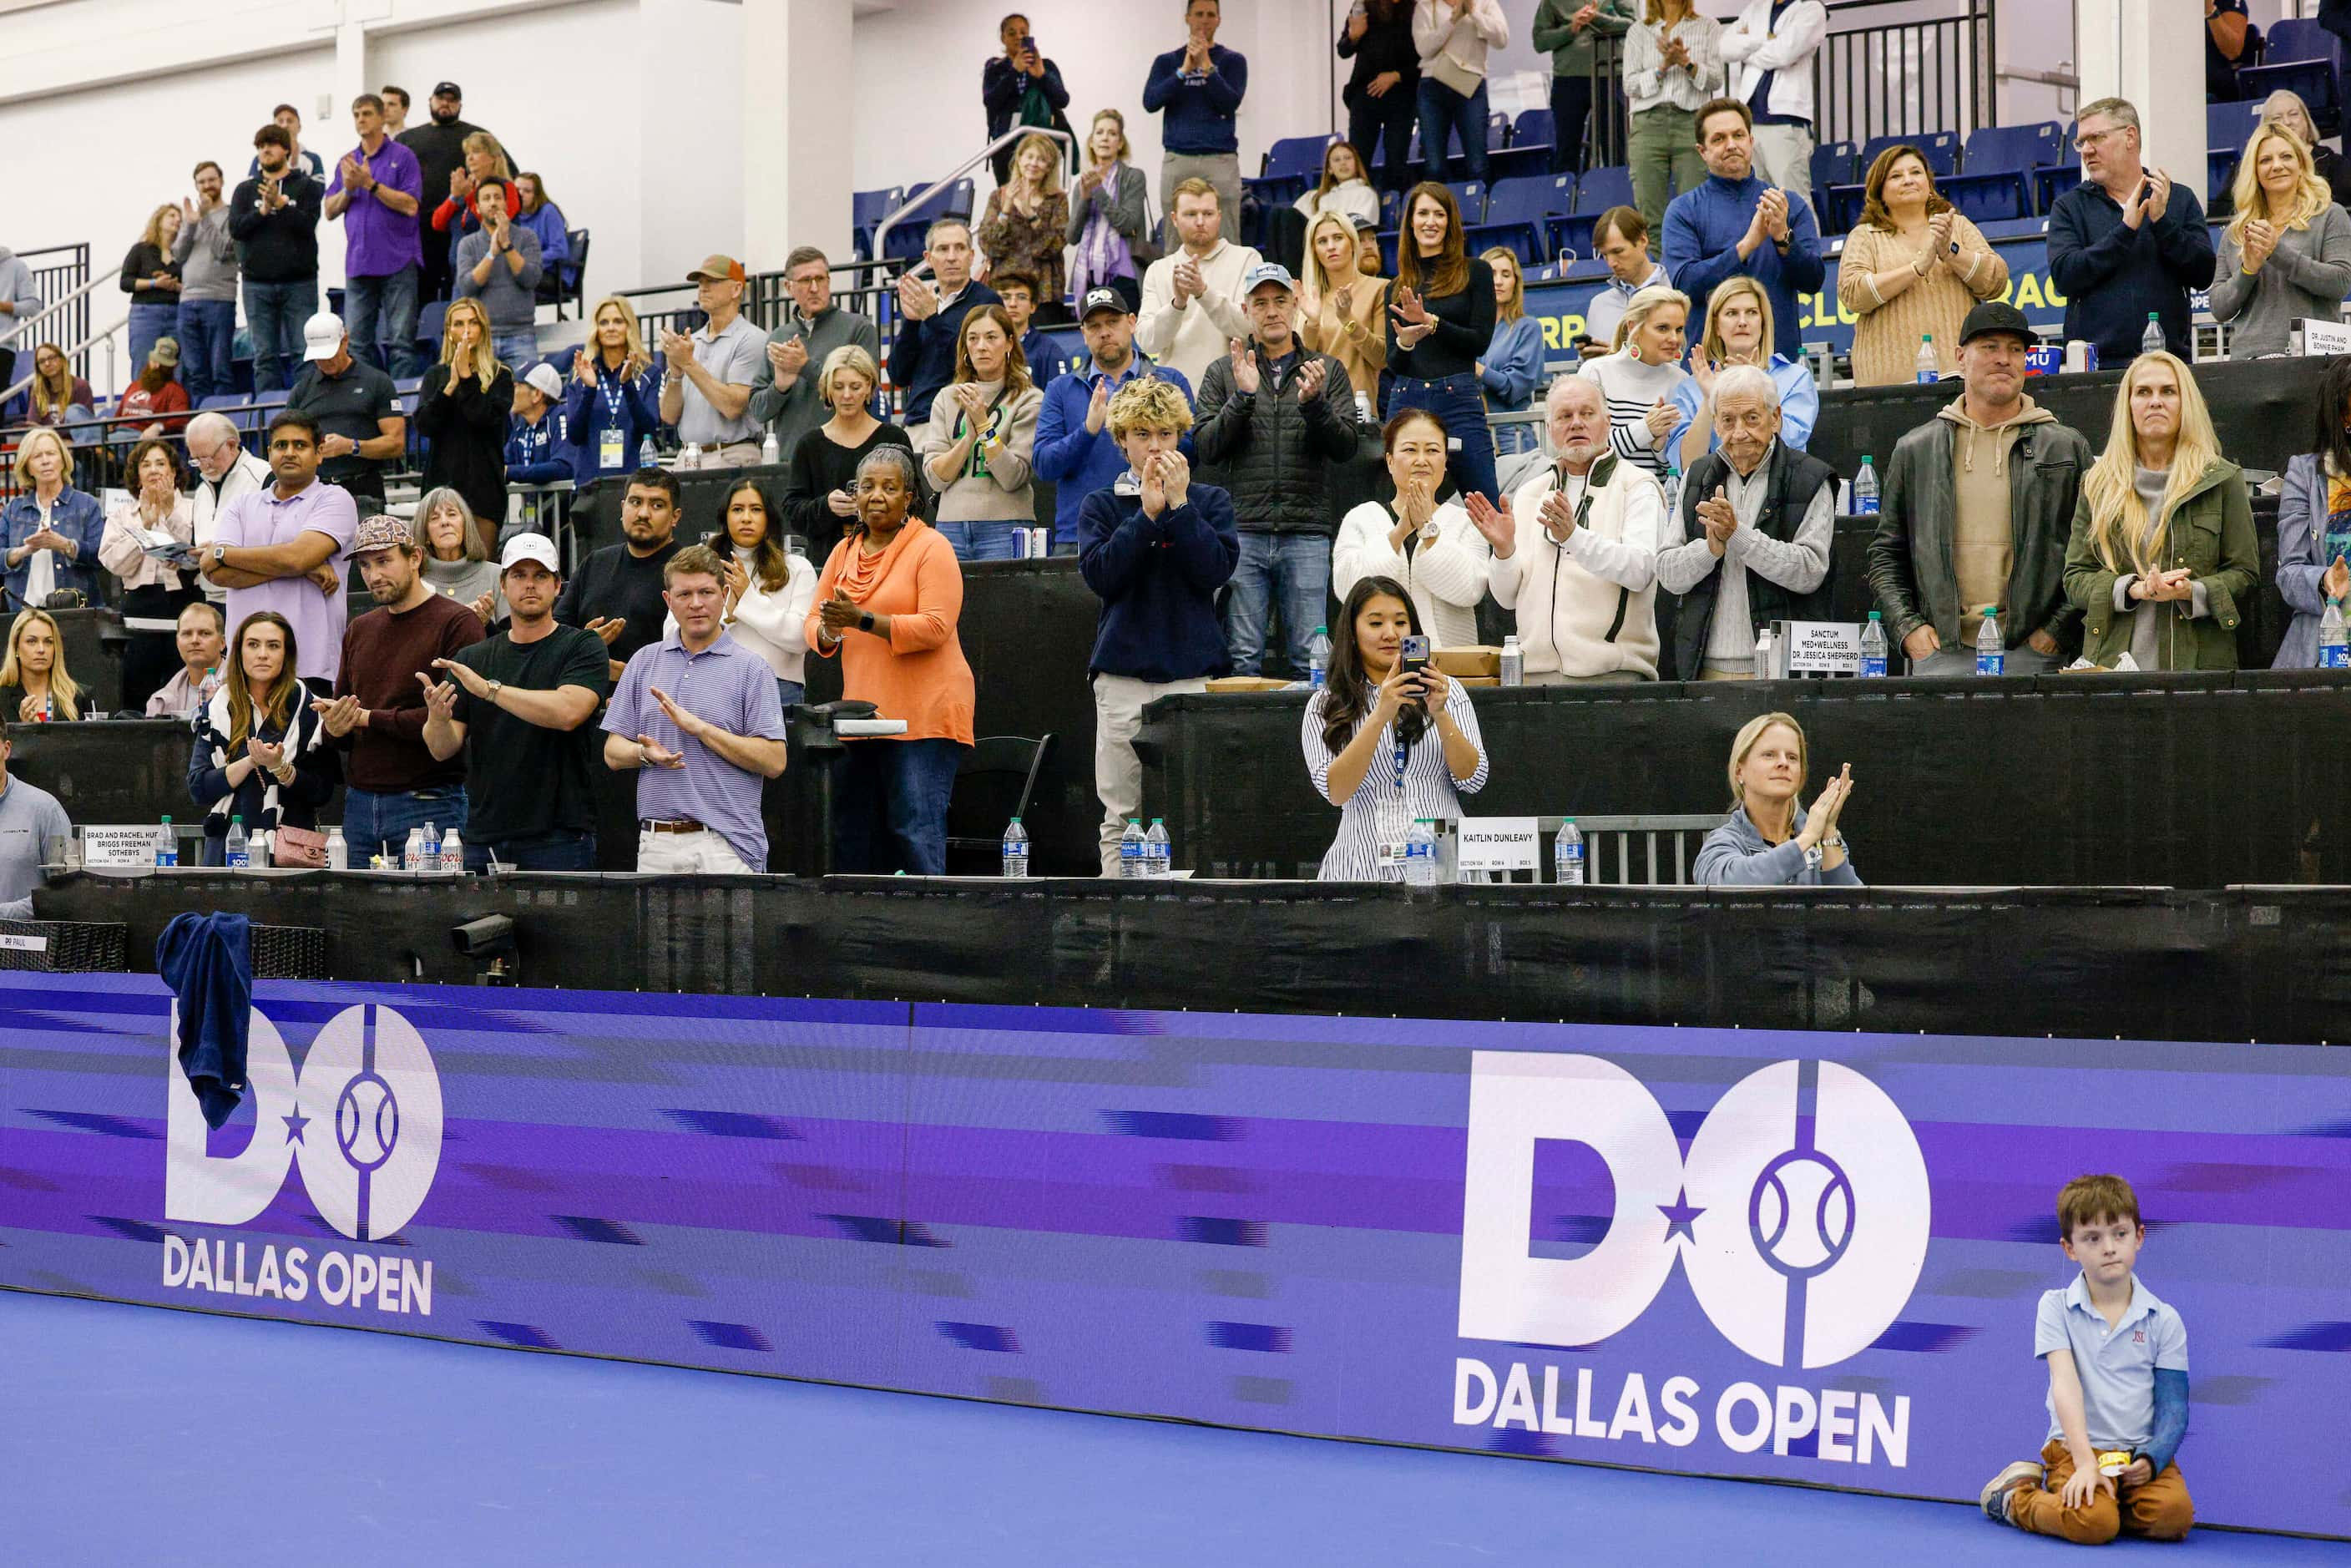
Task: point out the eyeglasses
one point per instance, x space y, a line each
2089 138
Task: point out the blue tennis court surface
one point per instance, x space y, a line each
132 1435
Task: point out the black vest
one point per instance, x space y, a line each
1790 481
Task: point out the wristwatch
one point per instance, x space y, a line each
865 620
220 553
495 687
1835 841
1812 858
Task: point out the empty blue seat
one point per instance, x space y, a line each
1470 196
1832 164
2301 57
1296 157
1939 148
1516 210
1498 132
1533 129
1997 183
1599 190
950 201
2230 124
867 209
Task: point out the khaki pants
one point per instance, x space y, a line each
731 454
1118 773
688 854
2161 1510
1664 148
1222 170
1784 153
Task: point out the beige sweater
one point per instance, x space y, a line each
1886 338
1001 495
1364 353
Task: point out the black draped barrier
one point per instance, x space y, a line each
2197 780
93 647
2269 965
2261 410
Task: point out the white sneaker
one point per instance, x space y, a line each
1994 1498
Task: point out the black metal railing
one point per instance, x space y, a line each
1905 78
867 288
58 271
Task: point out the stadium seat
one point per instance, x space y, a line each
866 211
1471 198
1941 148
949 201
1599 190
2053 180
2000 162
1832 164
1516 210
2302 57
1391 209
2230 125
1291 165
1533 129
428 322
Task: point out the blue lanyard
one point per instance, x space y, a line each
614 405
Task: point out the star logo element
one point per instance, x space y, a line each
294 1125
1680 1216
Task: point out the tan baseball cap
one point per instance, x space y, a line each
716 268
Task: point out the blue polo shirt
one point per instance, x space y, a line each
732 688
1077 463
2118 1365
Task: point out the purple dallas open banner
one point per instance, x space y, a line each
1803 1257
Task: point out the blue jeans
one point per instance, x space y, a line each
1444 112
982 541
380 315
275 312
1297 567
789 692
1459 405
1511 440
520 350
379 824
207 348
149 323
891 812
536 852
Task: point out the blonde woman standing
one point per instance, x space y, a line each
463 409
1346 312
2163 551
2286 254
1512 366
1027 224
1739 333
1913 267
612 405
1110 212
1638 380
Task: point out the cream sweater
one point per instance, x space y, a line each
1446 578
1569 596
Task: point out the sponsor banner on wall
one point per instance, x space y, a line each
1801 1257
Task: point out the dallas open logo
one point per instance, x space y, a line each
362 1119
1800 1218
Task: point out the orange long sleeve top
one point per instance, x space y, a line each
919 673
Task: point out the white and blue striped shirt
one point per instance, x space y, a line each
1427 789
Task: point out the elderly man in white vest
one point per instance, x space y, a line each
1577 559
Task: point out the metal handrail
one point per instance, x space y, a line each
1018 133
44 313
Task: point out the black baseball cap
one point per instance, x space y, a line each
1997 315
448 90
1104 299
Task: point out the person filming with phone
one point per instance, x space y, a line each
1390 739
2126 242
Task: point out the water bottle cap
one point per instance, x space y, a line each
233 821
167 821
1872 615
1015 821
1158 821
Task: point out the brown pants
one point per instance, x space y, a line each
2161 1510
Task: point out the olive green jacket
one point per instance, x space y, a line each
1571 51
2209 532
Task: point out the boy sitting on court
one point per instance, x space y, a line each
2117 1389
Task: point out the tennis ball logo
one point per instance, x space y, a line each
362 1118
1800 1214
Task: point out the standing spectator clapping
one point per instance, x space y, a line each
206 255
1076 450
498 264
2125 244
274 221
1191 300
2285 257
982 436
785 396
1436 552
261 750
706 383
1673 65
1110 212
1734 222
1382 91
1021 87
463 409
923 359
1440 320
1914 266
53 530
1197 90
1570 32
613 403
1027 224
376 192
1455 38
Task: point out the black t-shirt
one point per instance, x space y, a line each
348 404
523 779
613 581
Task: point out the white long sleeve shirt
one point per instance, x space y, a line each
1751 45
1446 576
1453 45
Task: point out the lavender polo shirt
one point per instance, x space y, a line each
379 241
732 687
259 519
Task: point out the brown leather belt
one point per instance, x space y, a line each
683 825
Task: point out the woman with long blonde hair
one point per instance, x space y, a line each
1027 223
2286 255
1109 210
34 686
152 281
1738 332
463 409
2163 553
1345 312
612 404
1512 367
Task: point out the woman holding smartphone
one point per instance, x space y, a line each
1386 742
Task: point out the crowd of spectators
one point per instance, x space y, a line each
1192 446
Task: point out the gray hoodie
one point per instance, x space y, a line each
15 286
207 258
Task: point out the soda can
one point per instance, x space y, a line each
1020 544
1041 543
2043 360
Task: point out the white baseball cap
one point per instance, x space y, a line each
546 379
322 336
530 547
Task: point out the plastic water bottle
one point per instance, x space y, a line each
240 856
691 457
453 853
769 453
1766 668
646 457
1420 855
1991 653
2333 650
1158 853
338 853
1873 648
1016 851
1930 369
2151 340
1131 865
432 847
1865 490
1567 855
411 854
1514 661
167 847
1673 489
1318 658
